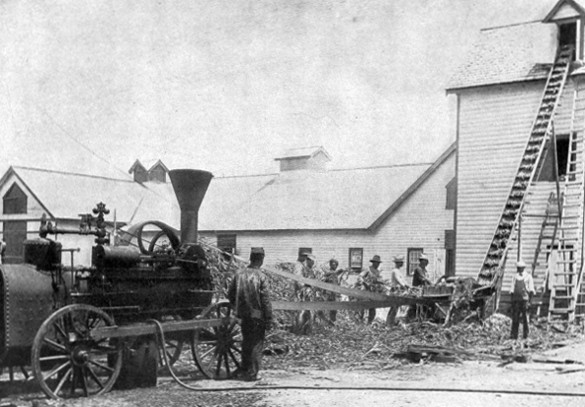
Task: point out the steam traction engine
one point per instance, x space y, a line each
79 329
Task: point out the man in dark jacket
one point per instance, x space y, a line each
248 294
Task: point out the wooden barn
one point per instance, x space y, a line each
350 214
520 162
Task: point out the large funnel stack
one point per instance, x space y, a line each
190 187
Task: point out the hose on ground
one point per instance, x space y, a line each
161 341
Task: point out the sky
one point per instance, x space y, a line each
228 85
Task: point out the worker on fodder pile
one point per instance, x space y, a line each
331 274
397 283
370 279
522 291
248 294
304 292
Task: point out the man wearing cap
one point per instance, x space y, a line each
248 294
397 282
370 279
522 291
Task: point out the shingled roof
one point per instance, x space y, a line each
358 198
65 195
515 53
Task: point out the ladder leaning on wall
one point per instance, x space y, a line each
491 269
566 278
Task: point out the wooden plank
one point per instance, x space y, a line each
344 305
116 331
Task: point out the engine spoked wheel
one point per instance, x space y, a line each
67 362
217 351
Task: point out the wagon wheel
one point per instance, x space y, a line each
218 350
67 362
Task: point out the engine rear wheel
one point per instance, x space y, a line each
217 351
67 362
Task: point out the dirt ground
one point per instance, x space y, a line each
470 383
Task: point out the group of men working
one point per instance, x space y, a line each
369 279
248 293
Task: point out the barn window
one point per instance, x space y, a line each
15 200
304 250
451 194
356 258
413 255
568 35
450 252
227 243
547 170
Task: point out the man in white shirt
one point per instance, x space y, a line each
522 291
397 282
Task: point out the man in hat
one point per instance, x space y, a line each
522 291
420 279
370 279
420 276
248 294
397 282
330 273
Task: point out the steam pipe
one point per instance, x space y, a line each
190 187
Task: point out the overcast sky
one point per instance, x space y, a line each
228 85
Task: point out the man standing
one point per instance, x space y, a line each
420 279
522 291
371 280
397 282
248 294
331 275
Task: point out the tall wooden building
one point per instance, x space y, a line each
520 125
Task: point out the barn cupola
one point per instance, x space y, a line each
157 172
305 158
569 16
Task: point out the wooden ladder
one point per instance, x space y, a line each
567 277
540 133
551 220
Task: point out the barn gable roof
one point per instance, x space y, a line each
515 53
358 198
65 195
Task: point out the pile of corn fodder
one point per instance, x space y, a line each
351 344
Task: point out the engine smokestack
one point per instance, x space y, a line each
190 187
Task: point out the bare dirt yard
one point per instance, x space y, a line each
360 365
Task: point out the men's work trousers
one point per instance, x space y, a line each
253 334
371 315
519 311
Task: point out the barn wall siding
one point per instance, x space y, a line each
494 127
420 222
495 124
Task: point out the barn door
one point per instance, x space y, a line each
14 235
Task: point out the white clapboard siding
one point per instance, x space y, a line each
530 229
494 126
420 222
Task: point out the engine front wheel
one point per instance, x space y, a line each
67 362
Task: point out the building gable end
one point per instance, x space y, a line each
564 10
